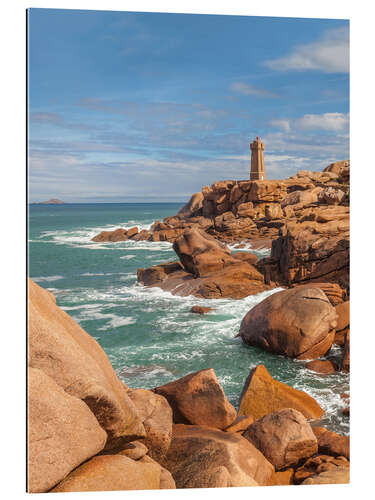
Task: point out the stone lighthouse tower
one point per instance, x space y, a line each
257 171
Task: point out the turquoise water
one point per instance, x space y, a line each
150 336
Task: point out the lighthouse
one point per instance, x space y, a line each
257 171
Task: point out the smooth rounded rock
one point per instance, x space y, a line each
298 323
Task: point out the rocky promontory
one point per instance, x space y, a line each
303 219
89 431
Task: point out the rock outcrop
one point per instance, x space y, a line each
206 269
299 323
202 457
262 395
119 234
200 254
284 437
198 399
304 217
60 348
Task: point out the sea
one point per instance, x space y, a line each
149 335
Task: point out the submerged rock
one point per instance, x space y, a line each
298 323
200 310
324 367
262 395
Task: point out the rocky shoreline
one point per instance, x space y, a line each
88 431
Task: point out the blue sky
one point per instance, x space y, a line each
127 107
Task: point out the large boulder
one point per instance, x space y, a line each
193 206
337 167
156 416
74 360
201 457
198 399
262 395
111 473
298 323
200 254
62 432
284 437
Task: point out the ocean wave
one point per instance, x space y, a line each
47 279
117 322
82 237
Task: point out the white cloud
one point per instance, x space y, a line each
281 124
335 122
247 89
330 54
329 122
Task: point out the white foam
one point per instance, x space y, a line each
128 257
82 306
47 278
117 321
82 237
264 252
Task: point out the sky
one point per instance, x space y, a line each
146 107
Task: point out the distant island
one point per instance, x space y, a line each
52 201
